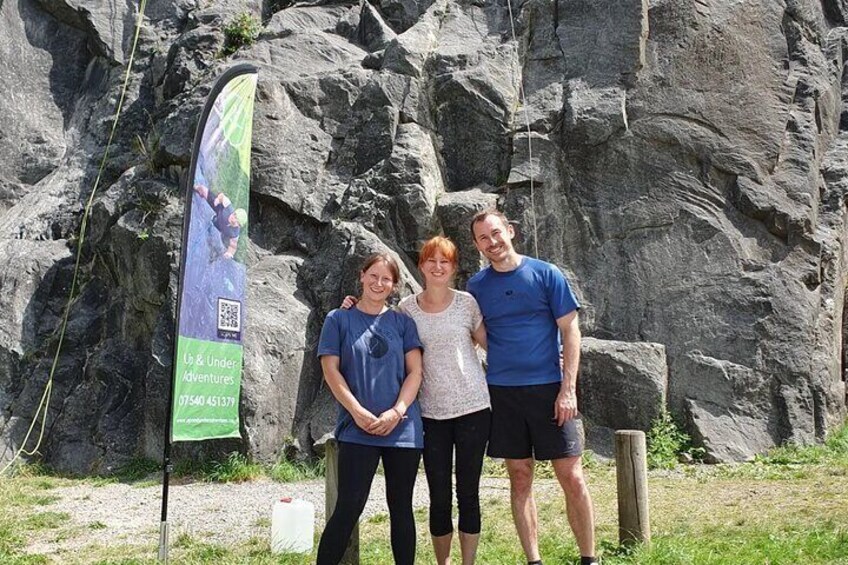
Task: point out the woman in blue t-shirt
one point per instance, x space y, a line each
371 359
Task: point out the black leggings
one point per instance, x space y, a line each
357 465
469 435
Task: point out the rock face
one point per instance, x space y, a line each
686 164
622 386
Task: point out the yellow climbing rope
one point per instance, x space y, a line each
44 403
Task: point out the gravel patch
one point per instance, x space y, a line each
121 513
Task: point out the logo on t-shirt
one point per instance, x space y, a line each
377 345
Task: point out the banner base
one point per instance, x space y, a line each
163 542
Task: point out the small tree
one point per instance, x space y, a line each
666 441
240 32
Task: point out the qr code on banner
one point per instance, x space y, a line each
229 318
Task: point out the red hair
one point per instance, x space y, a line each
438 244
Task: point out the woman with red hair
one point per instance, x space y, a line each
454 398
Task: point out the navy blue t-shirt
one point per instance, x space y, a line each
520 309
222 218
371 350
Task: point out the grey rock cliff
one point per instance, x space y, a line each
689 172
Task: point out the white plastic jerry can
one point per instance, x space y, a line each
292 526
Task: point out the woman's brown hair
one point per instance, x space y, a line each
385 258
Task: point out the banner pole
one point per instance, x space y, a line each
167 467
166 455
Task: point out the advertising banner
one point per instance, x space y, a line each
210 317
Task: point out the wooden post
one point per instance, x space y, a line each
331 495
631 469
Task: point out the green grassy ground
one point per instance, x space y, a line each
790 507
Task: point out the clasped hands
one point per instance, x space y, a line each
381 425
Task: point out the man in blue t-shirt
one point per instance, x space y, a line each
528 307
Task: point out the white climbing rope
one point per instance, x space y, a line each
523 101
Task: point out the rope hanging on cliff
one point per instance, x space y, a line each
523 100
44 403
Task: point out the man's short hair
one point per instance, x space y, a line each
483 214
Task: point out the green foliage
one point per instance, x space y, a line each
666 441
28 470
138 469
591 461
792 462
495 468
285 471
235 468
834 450
240 32
147 148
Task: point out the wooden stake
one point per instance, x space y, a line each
331 495
631 469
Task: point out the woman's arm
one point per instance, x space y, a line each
414 375
338 386
479 336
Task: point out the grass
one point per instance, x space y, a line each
495 468
237 468
138 469
787 507
694 521
286 471
45 520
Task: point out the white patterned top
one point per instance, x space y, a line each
454 381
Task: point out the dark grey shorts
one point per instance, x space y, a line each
523 424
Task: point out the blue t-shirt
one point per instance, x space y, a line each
520 309
371 350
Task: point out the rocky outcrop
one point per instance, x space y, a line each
622 386
684 165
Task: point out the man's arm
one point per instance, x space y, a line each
565 407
